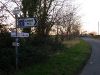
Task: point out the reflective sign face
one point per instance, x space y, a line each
16 10
21 22
15 44
28 22
13 34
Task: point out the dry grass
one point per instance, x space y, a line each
71 43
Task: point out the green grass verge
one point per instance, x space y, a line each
67 62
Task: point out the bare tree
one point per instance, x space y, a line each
70 22
48 12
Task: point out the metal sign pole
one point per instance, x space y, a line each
16 47
16 11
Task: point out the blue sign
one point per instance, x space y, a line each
27 22
21 23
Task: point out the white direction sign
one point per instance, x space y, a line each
13 34
15 44
27 22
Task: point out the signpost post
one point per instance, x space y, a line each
16 12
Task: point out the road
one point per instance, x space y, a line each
93 65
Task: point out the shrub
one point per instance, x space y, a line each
6 40
7 59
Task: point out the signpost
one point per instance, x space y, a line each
27 22
15 44
21 23
13 34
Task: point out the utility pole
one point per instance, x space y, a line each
98 27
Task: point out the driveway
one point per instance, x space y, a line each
93 65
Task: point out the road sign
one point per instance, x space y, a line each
15 44
27 22
13 34
16 10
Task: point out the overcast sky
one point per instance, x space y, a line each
89 10
90 13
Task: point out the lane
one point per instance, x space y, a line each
93 65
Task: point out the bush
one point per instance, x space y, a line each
31 50
6 40
36 50
7 59
30 54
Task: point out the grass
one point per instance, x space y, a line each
71 43
96 37
67 62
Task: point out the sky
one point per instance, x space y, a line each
89 10
90 14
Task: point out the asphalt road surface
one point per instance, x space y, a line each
93 65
